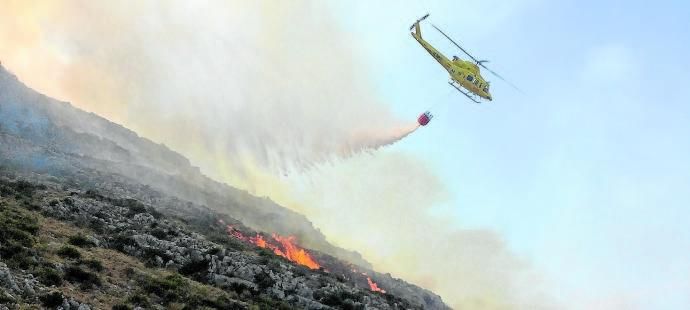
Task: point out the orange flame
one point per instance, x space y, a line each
374 287
285 247
295 253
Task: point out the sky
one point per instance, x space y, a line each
587 173
571 195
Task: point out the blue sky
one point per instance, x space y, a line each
587 174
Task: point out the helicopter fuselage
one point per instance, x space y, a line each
463 72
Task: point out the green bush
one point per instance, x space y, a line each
18 229
139 300
31 206
332 300
93 195
196 270
80 241
148 255
87 279
120 241
94 265
134 206
69 252
25 188
264 281
52 300
49 276
265 303
176 289
174 283
159 233
6 299
121 307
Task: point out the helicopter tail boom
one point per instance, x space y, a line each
417 34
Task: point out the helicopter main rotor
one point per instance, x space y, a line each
478 62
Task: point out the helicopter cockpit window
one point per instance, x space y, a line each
470 78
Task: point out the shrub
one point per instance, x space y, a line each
159 233
148 255
97 225
6 299
197 269
202 300
263 280
174 282
80 241
155 213
133 205
31 206
332 300
169 289
213 251
69 252
85 278
94 265
93 195
49 276
24 188
176 289
139 300
267 303
121 241
121 307
18 229
52 300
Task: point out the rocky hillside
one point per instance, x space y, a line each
56 136
91 215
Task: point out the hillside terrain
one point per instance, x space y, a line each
92 216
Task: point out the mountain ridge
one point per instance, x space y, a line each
133 149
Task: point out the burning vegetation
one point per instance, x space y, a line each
287 247
280 245
374 287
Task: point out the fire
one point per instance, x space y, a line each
294 253
280 245
374 287
259 241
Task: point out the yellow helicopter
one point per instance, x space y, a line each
464 74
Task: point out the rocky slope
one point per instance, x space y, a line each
148 229
51 129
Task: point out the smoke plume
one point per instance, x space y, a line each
249 90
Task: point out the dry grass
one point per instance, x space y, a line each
116 275
54 234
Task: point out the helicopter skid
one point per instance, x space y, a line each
463 92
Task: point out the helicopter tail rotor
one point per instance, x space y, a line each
419 20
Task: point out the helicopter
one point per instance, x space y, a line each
464 74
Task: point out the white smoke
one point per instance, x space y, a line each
246 90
